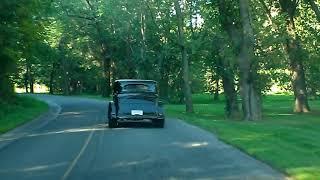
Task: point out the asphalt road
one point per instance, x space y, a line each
76 144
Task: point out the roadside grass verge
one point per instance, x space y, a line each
287 141
19 111
83 95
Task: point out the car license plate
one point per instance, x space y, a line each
137 112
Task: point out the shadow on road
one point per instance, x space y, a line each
136 125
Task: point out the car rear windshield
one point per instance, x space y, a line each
138 87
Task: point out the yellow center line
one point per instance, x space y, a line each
74 162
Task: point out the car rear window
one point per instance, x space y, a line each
138 88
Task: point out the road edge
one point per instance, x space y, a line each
267 164
21 131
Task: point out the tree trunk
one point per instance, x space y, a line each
251 100
298 79
143 46
30 78
105 55
227 74
31 83
26 86
106 61
51 79
130 64
243 44
164 78
98 87
64 67
216 88
6 86
65 77
294 51
164 86
112 74
27 77
185 63
231 107
106 87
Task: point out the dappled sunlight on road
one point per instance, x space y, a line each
191 170
99 127
130 163
76 130
44 167
190 144
12 137
76 113
70 113
167 166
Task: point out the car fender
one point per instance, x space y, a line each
112 107
160 110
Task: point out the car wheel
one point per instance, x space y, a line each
109 112
158 123
112 123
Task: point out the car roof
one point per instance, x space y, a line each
134 80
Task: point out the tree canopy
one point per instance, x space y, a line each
238 48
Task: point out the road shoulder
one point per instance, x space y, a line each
233 151
21 131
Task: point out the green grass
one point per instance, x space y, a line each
21 110
287 141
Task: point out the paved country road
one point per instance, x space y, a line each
76 144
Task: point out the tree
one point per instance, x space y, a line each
251 100
188 46
294 50
18 30
185 63
243 41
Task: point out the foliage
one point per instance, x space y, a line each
11 116
76 47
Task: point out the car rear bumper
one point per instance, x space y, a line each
138 118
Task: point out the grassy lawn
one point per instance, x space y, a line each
21 110
287 141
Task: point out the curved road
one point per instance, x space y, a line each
76 144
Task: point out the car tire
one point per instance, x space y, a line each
158 123
112 123
109 112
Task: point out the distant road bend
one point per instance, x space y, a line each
77 145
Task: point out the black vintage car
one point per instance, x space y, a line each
135 100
